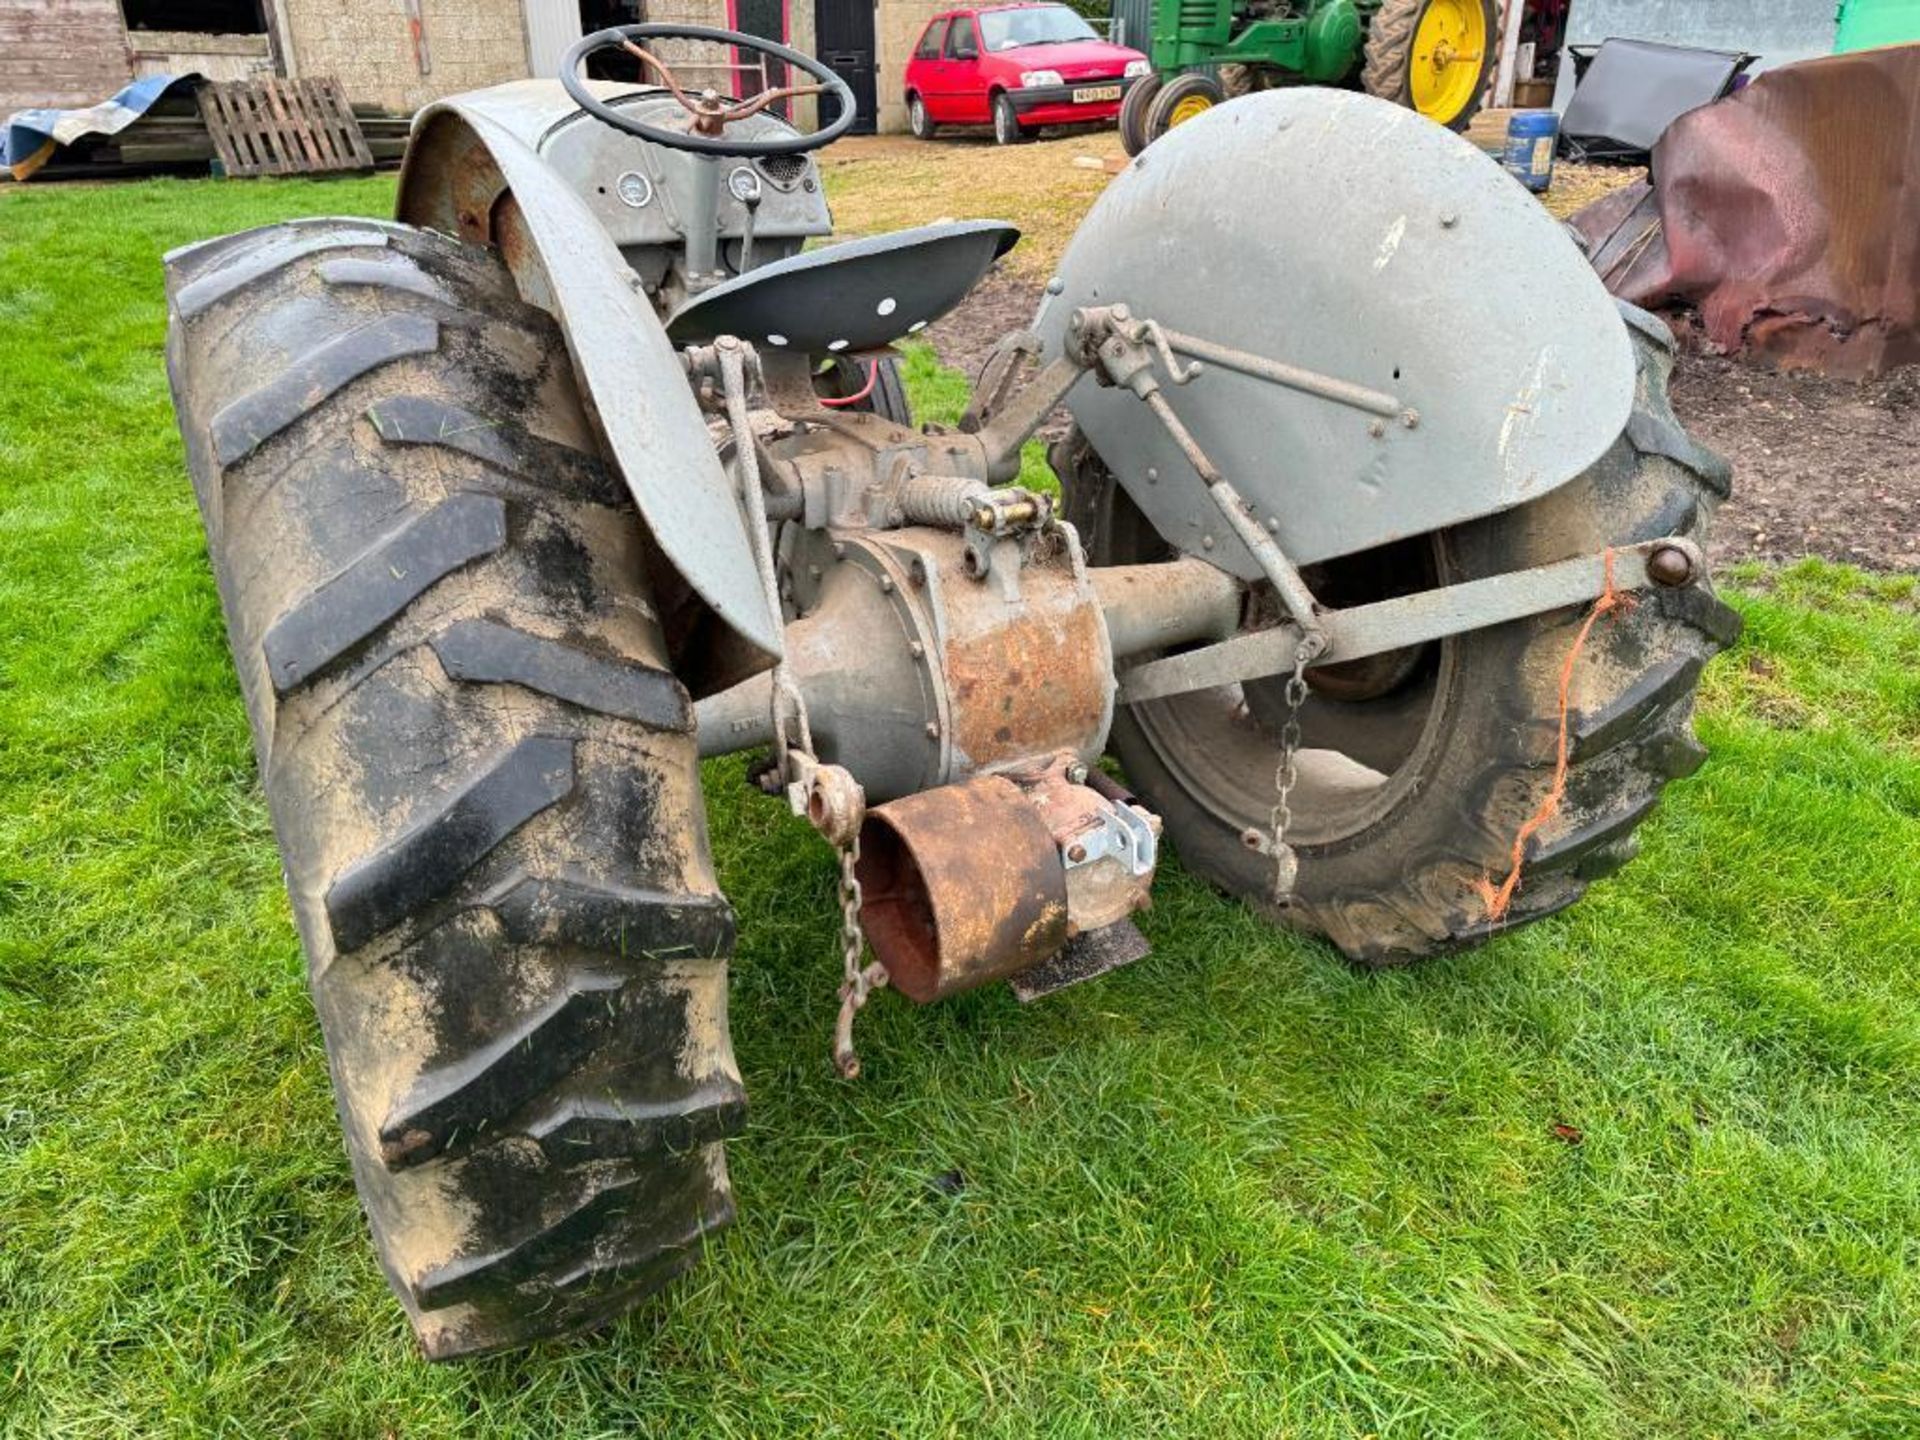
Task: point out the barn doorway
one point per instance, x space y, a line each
765 20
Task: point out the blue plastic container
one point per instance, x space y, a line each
1530 144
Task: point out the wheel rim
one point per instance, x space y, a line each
1189 108
1003 122
1449 51
1357 763
917 113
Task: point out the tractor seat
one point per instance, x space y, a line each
854 296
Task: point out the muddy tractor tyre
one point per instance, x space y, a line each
1417 772
481 772
1407 41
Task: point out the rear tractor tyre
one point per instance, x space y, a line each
1433 56
1237 80
1132 123
1418 770
481 773
1183 98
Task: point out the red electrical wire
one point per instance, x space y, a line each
873 374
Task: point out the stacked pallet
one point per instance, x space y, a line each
282 127
386 133
173 138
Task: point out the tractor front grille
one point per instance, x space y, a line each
785 171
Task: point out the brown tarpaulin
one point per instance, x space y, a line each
1787 216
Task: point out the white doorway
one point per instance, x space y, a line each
552 26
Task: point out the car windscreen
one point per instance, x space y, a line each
1036 25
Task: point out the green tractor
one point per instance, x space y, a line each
1433 56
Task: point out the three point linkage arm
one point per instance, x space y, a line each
1122 350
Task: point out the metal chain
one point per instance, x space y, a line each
857 982
1285 862
788 703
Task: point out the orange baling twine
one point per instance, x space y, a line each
1499 900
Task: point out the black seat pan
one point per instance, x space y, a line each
854 296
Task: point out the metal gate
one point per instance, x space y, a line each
1133 24
843 31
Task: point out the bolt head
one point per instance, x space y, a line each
1076 853
933 729
886 584
1076 773
1670 566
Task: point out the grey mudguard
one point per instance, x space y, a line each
465 155
1350 236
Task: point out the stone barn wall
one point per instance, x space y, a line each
897 26
365 44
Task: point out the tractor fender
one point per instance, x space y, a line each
468 158
1350 237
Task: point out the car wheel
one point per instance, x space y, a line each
918 120
1006 122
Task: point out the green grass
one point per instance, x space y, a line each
1237 1189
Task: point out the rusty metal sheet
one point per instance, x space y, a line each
1786 217
1027 678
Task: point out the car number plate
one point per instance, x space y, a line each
1096 92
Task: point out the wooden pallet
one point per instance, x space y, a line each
283 127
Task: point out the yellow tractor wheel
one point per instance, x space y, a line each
1183 98
1434 56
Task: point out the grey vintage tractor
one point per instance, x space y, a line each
586 468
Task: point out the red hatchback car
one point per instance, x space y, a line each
1016 67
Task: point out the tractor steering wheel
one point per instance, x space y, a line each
711 111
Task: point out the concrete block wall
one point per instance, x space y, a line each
897 27
366 45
